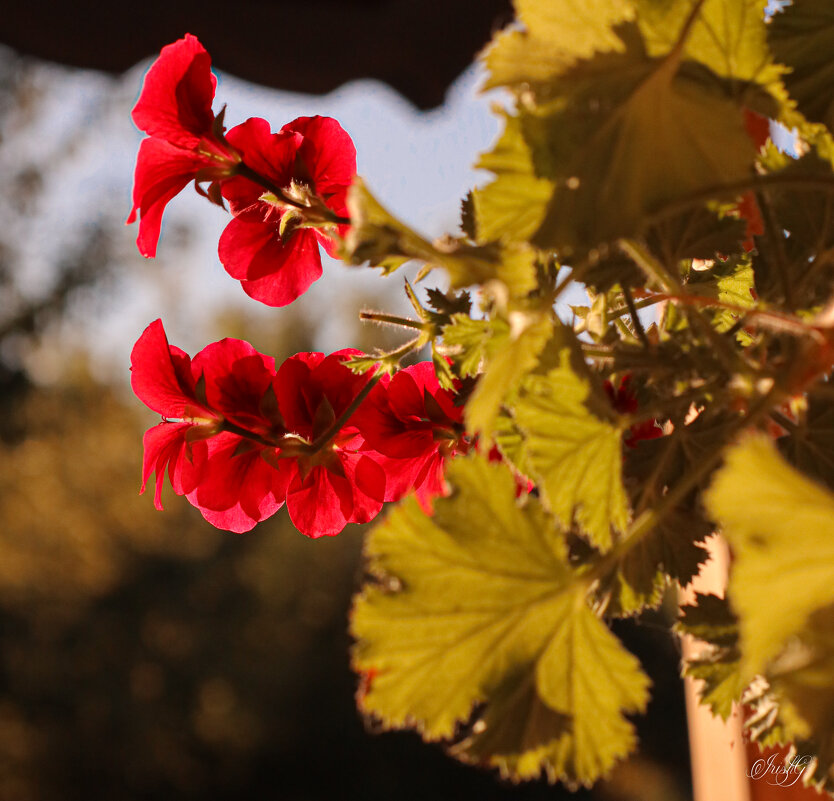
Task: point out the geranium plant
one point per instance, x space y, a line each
551 470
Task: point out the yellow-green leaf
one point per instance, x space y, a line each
512 206
574 456
781 529
629 136
728 36
476 607
557 34
513 354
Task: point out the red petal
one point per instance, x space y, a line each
236 378
757 128
271 155
389 434
176 98
238 490
162 171
161 374
433 484
164 446
330 245
402 476
315 504
368 483
327 152
298 397
425 378
337 381
270 271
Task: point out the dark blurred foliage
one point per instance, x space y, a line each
145 655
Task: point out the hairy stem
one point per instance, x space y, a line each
391 319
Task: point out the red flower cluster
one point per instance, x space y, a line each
286 191
240 438
413 422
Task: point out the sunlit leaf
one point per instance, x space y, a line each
764 507
477 608
513 205
629 136
574 456
557 33
513 354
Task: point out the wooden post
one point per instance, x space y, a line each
721 759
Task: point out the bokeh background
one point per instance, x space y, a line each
143 654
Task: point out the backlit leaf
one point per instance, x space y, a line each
513 205
631 136
780 526
573 456
477 609
557 33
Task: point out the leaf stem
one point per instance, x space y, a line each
244 170
322 439
643 258
232 428
391 319
635 318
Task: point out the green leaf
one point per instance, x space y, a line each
809 446
693 234
732 282
712 621
501 353
557 34
728 36
802 38
477 610
672 549
585 705
513 354
628 136
469 341
764 506
798 274
574 456
378 237
512 206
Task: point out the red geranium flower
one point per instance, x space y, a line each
270 246
186 140
337 484
413 422
624 401
221 425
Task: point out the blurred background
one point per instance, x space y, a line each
144 654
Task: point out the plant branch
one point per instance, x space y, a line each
245 171
648 520
635 318
809 183
391 319
322 439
